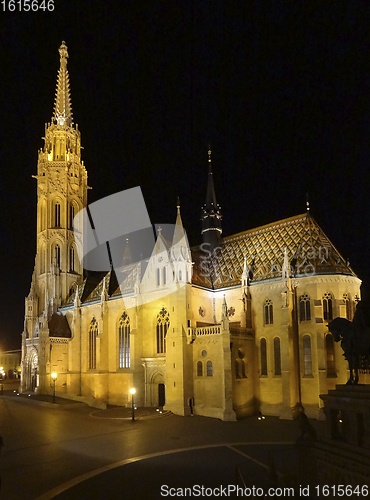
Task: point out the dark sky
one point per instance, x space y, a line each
280 90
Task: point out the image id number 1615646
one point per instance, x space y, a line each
27 5
342 491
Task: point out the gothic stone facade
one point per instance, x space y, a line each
231 328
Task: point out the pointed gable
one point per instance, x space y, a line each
180 247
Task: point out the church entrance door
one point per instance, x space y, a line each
161 395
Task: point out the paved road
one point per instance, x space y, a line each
48 447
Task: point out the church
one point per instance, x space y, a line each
234 327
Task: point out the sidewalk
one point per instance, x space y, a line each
112 412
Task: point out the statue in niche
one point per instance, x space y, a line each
355 340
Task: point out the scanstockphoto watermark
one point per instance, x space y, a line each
302 262
302 491
231 490
106 228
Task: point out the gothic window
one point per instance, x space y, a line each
124 341
71 259
277 356
263 349
93 333
307 356
327 305
209 369
43 218
42 260
349 306
199 369
57 254
268 312
158 276
163 323
304 307
180 275
57 215
164 275
71 216
330 361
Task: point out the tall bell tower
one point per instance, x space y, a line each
61 193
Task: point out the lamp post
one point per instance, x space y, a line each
54 376
132 392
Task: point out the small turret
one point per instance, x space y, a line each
180 251
286 267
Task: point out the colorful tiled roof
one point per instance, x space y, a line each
309 252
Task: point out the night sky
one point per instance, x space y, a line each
279 89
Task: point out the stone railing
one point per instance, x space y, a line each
193 333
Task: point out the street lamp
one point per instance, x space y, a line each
54 376
132 392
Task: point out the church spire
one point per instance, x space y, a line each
63 106
211 216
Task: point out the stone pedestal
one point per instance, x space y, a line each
347 411
342 455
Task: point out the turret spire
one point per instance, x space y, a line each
307 205
211 212
180 246
63 106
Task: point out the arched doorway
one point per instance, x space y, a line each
32 370
158 390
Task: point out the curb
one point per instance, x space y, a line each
43 403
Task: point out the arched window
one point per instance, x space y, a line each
57 215
164 275
330 360
71 216
307 356
57 254
158 276
199 369
72 289
209 369
124 341
277 356
42 259
263 349
180 275
327 306
93 333
349 306
163 323
71 259
304 307
268 312
43 217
